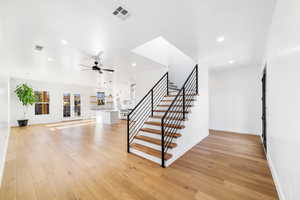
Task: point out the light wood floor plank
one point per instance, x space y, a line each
79 161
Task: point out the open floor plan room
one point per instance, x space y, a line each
149 100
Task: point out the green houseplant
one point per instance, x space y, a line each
27 98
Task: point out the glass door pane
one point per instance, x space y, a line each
67 105
77 105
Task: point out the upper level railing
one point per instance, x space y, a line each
176 113
137 117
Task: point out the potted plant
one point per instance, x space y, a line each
27 98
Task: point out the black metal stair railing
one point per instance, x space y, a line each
137 117
177 112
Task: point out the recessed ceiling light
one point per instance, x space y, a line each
64 42
133 64
220 39
50 59
231 61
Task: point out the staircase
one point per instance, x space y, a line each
156 125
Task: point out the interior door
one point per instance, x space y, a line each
72 106
264 109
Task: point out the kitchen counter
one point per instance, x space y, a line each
107 116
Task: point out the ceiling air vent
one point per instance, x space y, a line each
121 12
38 47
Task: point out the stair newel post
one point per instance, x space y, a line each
128 147
162 143
152 102
197 79
167 83
183 103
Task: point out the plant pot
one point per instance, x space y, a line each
23 122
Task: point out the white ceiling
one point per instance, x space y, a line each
89 26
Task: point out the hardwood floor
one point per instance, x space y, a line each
85 161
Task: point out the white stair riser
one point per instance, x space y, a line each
151 145
163 113
168 98
161 108
178 108
170 113
156 127
170 102
156 136
151 126
172 91
145 155
148 144
178 98
159 120
154 120
165 103
176 102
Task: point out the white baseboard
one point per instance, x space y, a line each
234 131
275 178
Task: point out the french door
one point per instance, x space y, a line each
71 106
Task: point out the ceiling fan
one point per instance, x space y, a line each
98 65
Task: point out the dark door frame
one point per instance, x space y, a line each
264 108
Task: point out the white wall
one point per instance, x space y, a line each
4 118
283 98
162 51
146 79
56 91
235 100
197 126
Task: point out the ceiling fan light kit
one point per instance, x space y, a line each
97 61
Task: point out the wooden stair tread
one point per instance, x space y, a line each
154 141
174 105
150 151
169 111
158 132
168 100
168 118
174 95
166 125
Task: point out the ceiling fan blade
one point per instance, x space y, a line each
109 70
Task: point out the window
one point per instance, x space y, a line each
42 104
